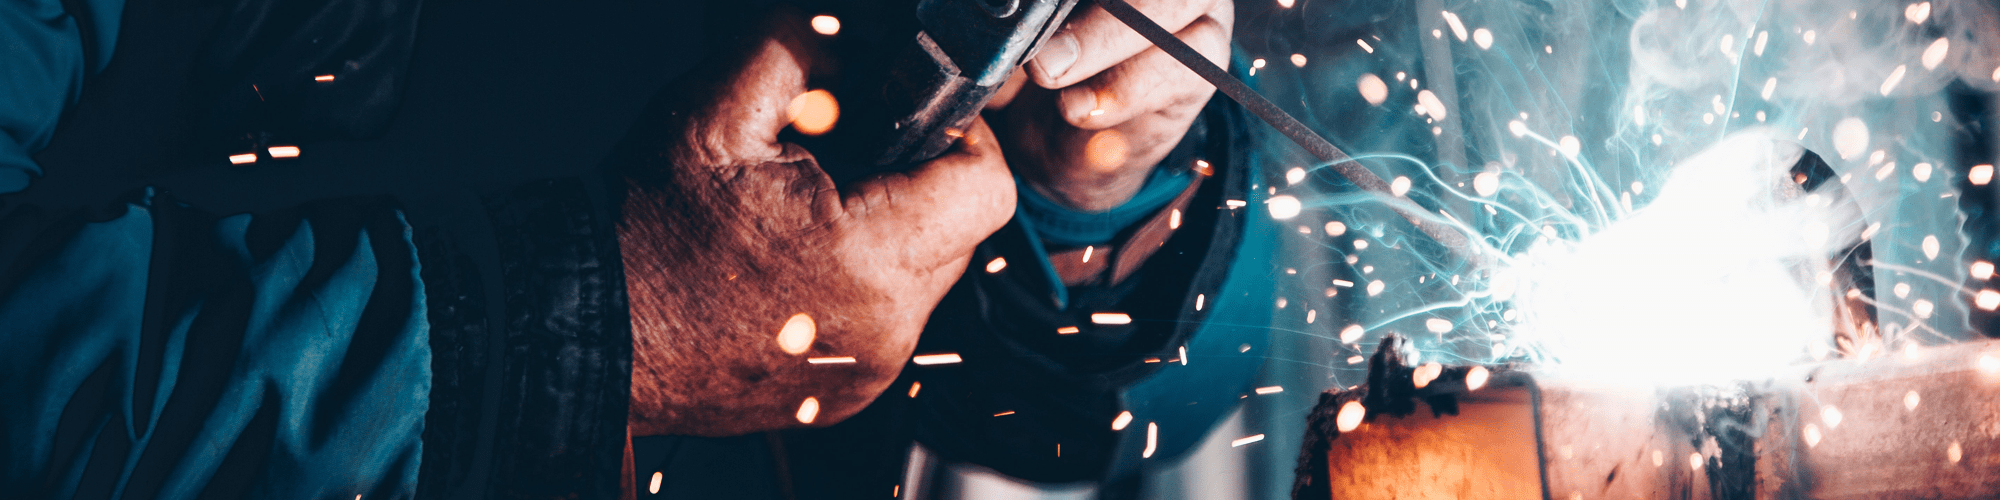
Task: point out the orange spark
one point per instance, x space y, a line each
826 25
808 410
1067 330
1350 416
936 359
797 334
242 158
1110 318
284 151
814 112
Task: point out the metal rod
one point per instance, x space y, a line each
1446 235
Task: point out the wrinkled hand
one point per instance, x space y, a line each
730 234
1106 106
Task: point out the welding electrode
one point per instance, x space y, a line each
1446 235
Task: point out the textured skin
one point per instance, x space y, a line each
727 233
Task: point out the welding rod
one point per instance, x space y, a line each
1446 235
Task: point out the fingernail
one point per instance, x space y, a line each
1080 104
1057 55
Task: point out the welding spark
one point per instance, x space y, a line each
797 334
808 410
935 359
1350 416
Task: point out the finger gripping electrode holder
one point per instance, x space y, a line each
965 53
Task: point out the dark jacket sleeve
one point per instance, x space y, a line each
50 45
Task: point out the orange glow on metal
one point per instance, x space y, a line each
1124 419
1068 330
1110 318
242 158
996 265
830 360
284 151
797 334
936 359
814 112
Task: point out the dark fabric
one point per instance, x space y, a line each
1060 389
303 70
539 401
498 93
161 351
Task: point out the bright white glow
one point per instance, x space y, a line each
1895 78
1980 174
1432 106
1365 46
1399 186
1152 439
654 488
1284 206
1982 270
1270 390
1111 318
1350 416
1483 37
1850 137
1580 307
1375 287
1335 228
1917 12
936 359
997 264
1476 378
1934 54
1124 419
1351 334
808 410
797 334
1831 416
1457 27
1911 400
1921 171
1436 325
826 25
1299 60
1246 440
1486 183
1372 88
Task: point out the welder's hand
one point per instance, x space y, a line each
1105 105
732 240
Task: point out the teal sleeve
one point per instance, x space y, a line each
49 50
